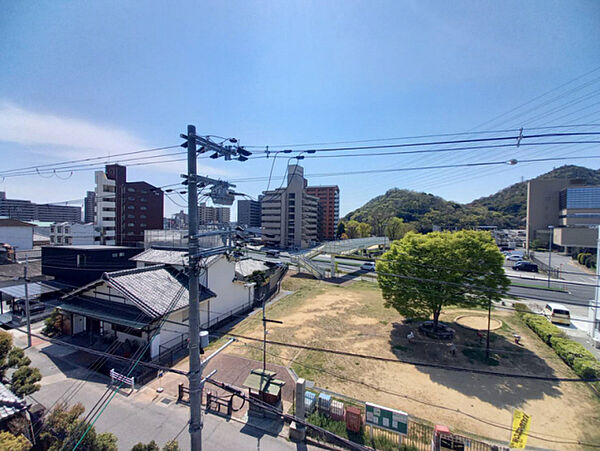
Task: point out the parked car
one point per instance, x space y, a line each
525 266
272 253
368 266
557 313
514 258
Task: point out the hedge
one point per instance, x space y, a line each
541 326
581 361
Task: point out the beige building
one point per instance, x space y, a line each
565 208
289 215
213 215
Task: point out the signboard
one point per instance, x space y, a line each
386 418
520 429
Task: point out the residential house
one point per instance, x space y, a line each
138 308
218 273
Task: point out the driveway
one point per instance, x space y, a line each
143 416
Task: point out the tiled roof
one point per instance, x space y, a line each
10 404
154 288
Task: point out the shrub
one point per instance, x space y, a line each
582 256
521 308
52 324
541 326
569 350
12 442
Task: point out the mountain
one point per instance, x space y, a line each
505 209
512 201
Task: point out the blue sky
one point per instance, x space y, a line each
84 79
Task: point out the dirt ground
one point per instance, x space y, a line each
353 318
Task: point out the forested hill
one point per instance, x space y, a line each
513 200
506 208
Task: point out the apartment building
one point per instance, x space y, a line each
329 200
249 212
289 215
72 233
25 210
213 215
125 209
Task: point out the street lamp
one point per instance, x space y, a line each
551 228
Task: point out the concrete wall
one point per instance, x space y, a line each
575 237
542 205
20 237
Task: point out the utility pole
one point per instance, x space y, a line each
27 313
550 253
487 340
221 195
195 375
264 320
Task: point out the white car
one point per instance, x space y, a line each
368 266
514 258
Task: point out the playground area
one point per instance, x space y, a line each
352 318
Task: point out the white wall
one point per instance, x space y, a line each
230 295
20 237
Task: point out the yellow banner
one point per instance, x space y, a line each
520 429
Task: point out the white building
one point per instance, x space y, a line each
129 306
72 233
106 209
17 233
231 296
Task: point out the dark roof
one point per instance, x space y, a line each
10 404
113 312
154 288
9 222
94 247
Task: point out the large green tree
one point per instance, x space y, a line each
421 274
396 228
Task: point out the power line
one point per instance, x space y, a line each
430 404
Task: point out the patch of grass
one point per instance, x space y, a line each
379 442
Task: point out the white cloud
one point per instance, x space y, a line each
70 136
59 137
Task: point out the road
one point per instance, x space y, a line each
142 416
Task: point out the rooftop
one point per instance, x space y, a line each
10 404
95 247
9 222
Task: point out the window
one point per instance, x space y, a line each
121 254
81 260
291 195
142 216
143 199
131 224
130 216
131 207
131 198
51 239
131 190
67 229
59 239
143 207
115 255
143 225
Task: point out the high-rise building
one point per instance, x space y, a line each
25 210
88 207
329 199
213 215
248 213
125 209
289 215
